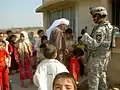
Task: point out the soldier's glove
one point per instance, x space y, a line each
84 30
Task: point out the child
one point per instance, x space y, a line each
4 47
69 42
44 43
80 44
37 44
83 47
74 66
4 80
44 40
24 54
64 81
47 69
14 64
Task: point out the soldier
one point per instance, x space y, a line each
99 45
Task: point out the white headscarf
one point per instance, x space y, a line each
55 24
26 37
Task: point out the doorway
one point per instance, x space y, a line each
116 12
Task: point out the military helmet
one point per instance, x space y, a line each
98 10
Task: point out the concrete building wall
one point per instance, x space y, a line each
83 17
54 7
46 20
47 1
50 1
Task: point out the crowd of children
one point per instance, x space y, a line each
27 52
48 67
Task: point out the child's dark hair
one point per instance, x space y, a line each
50 51
68 30
39 31
78 52
43 46
44 37
79 38
65 75
3 42
10 39
8 31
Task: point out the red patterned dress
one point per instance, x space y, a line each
23 57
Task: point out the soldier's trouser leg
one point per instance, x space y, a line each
93 80
102 81
97 81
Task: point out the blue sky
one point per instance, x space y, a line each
19 13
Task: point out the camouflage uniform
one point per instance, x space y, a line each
99 46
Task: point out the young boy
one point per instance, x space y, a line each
37 44
4 80
44 43
47 69
64 81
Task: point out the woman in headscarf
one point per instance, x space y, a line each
24 57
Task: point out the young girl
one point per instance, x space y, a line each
4 78
7 63
74 66
64 81
14 64
24 58
47 69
